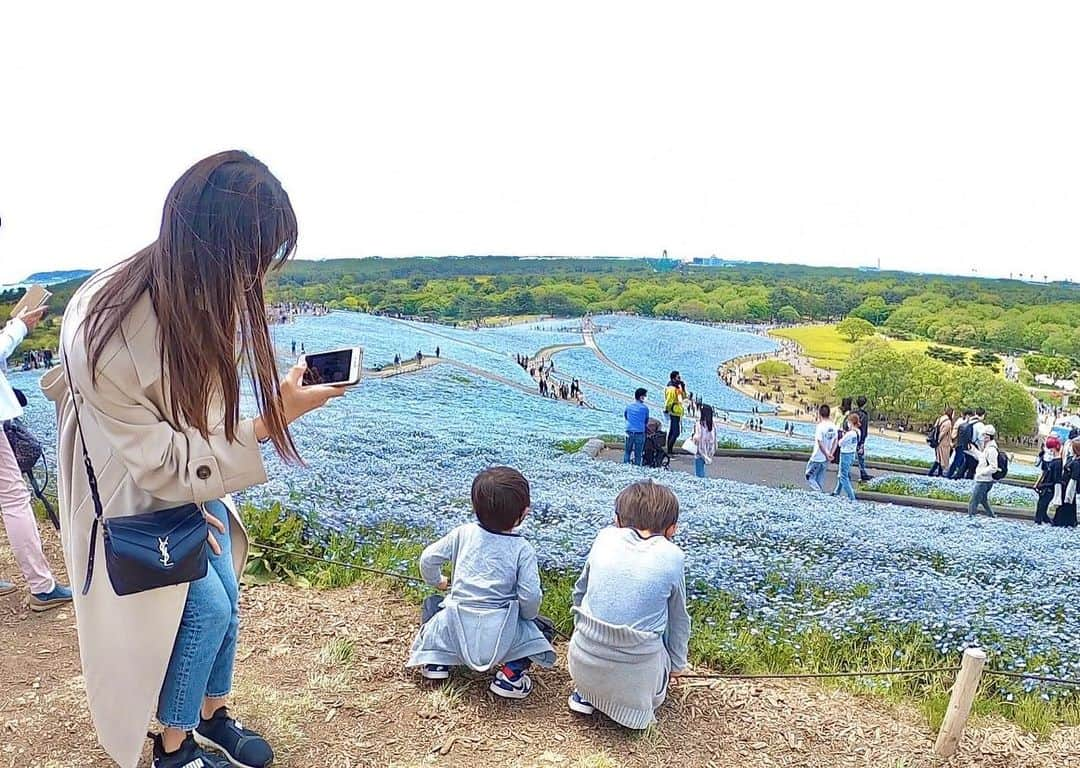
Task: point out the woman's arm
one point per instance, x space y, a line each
170 463
11 336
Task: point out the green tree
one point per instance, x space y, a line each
788 314
874 310
854 328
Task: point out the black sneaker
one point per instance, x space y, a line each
188 756
242 747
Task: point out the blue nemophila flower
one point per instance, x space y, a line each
404 451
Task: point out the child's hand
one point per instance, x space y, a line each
443 585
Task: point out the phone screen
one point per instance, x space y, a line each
328 367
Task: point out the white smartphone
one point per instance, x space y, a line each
33 298
340 367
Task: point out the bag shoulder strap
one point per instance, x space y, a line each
91 476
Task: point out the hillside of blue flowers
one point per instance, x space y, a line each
403 451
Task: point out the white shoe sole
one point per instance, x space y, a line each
581 709
206 743
38 607
516 694
442 675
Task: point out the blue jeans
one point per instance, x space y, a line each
863 474
635 442
956 469
699 466
843 476
981 496
815 474
205 647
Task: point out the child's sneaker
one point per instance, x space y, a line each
6 587
435 671
515 685
579 705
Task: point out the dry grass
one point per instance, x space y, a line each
321 674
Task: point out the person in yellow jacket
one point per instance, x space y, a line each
674 393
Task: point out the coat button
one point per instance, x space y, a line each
202 472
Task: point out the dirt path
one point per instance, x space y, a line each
320 673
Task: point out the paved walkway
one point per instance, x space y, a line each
771 473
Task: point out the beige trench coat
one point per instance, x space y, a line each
143 461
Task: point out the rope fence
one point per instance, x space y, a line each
704 675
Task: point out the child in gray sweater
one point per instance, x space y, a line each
631 626
488 618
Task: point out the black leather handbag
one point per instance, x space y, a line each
148 550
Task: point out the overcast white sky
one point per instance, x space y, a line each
935 136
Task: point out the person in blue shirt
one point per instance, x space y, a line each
637 415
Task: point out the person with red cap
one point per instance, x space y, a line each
1049 483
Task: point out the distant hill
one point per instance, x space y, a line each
60 276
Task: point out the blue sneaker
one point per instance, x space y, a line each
241 746
189 754
6 587
46 601
511 684
578 704
435 671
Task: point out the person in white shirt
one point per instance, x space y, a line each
848 445
986 458
825 438
19 522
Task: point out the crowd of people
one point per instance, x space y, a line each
285 312
542 370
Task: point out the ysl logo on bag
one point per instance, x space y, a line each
163 547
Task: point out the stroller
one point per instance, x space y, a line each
655 454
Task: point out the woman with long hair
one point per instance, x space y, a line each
845 452
942 442
1065 516
150 388
705 439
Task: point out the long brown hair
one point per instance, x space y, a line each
227 221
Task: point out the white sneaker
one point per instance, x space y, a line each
435 672
579 705
518 688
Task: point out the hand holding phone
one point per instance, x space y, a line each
31 317
32 299
340 367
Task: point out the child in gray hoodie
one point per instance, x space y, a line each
489 618
631 626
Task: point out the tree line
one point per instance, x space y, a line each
998 315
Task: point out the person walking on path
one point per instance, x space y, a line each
704 438
941 438
1065 516
1049 483
19 521
637 417
978 427
149 392
673 408
824 446
986 468
849 445
963 432
864 431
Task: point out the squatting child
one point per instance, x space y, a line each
488 618
631 627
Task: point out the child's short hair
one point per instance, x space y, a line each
500 496
824 410
647 506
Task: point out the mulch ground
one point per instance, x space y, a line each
320 673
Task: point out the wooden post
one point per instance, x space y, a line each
963 693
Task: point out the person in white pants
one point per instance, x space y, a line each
19 521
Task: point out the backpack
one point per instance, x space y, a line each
1002 466
932 434
28 452
965 435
